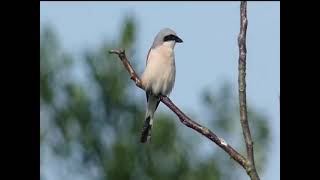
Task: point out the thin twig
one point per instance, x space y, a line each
242 89
184 118
127 65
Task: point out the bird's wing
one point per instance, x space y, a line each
158 102
147 95
148 56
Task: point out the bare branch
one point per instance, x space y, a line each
247 164
205 131
127 65
185 119
242 89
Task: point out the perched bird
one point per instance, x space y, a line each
159 75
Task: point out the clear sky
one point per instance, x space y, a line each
208 56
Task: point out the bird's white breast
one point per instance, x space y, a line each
159 75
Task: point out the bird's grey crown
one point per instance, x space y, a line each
158 40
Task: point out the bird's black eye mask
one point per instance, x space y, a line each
172 37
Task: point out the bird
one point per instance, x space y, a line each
159 74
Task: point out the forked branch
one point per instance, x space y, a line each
246 163
184 118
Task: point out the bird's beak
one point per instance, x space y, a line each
178 40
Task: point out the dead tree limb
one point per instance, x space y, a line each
242 90
184 118
246 163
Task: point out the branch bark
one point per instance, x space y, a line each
184 118
242 89
246 163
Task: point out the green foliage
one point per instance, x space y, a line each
100 120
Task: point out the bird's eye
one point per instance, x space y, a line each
170 37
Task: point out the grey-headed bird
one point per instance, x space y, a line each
159 75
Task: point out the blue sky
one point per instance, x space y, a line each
208 56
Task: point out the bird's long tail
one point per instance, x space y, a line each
153 103
146 130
